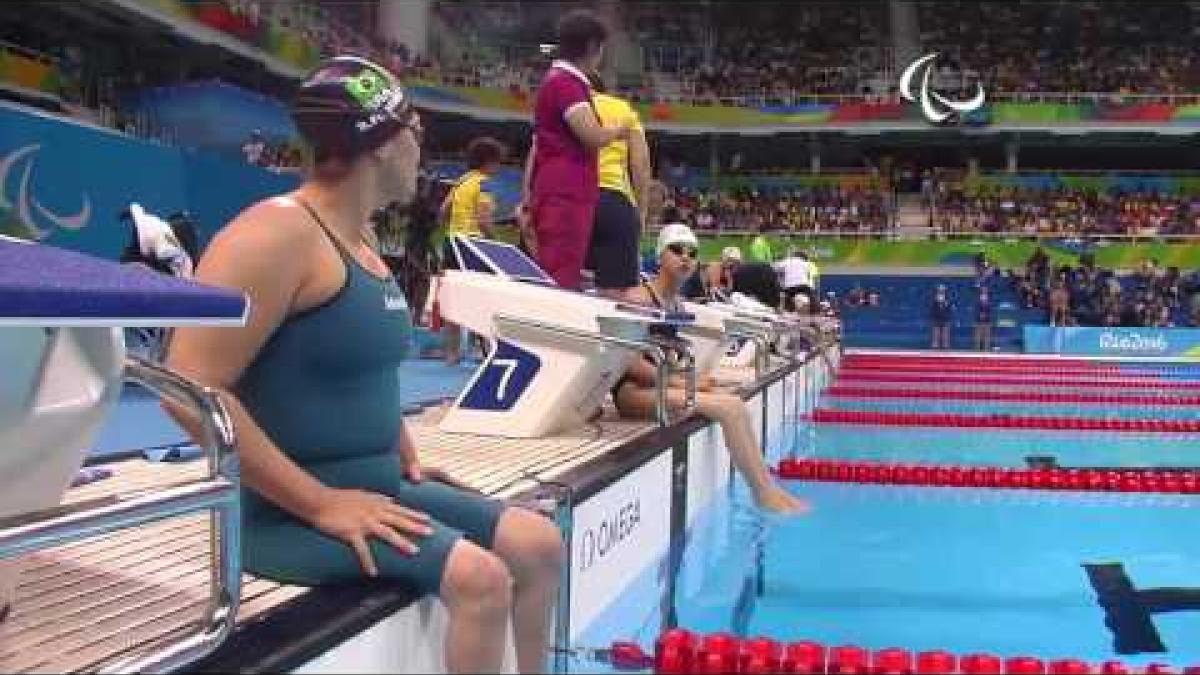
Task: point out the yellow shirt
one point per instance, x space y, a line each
469 196
613 159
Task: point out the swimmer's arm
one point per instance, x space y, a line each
216 357
645 375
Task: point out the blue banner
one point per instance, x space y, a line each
64 183
215 115
1087 341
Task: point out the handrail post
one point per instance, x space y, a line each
217 493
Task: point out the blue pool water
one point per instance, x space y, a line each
1006 572
962 570
998 447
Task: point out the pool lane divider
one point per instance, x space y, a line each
998 368
986 369
843 391
860 377
1001 421
1185 482
978 363
681 651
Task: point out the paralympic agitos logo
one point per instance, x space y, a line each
934 106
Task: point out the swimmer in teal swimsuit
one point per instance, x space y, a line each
334 489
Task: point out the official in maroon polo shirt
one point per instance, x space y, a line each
561 187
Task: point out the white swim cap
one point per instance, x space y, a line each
676 233
731 253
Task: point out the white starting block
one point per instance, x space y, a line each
62 353
765 329
555 354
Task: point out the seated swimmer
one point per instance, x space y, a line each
634 393
334 488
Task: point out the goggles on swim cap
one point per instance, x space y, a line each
350 105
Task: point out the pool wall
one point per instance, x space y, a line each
629 535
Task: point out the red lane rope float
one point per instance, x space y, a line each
974 362
1032 381
682 651
1002 364
1010 396
1046 369
1080 480
972 358
1096 366
877 418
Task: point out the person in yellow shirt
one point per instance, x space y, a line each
469 210
625 178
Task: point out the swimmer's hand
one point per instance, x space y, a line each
353 516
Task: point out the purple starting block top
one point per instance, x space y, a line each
46 286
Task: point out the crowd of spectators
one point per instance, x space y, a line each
1065 211
779 53
1090 295
1105 47
765 51
816 209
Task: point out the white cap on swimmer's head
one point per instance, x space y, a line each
676 233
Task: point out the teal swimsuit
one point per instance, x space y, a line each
326 390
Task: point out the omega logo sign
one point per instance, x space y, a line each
598 542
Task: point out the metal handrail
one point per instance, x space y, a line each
217 493
761 345
657 350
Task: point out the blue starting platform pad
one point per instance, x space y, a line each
47 286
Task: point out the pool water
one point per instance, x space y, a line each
1005 572
964 570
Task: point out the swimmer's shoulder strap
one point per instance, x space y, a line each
337 243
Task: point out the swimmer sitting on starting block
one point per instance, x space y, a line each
336 492
634 392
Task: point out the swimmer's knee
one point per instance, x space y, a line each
530 541
476 579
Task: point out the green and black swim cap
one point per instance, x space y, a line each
349 106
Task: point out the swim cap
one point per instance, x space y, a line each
731 253
676 233
348 106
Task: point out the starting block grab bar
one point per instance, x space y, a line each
217 493
659 350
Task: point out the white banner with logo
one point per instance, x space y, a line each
616 535
708 470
